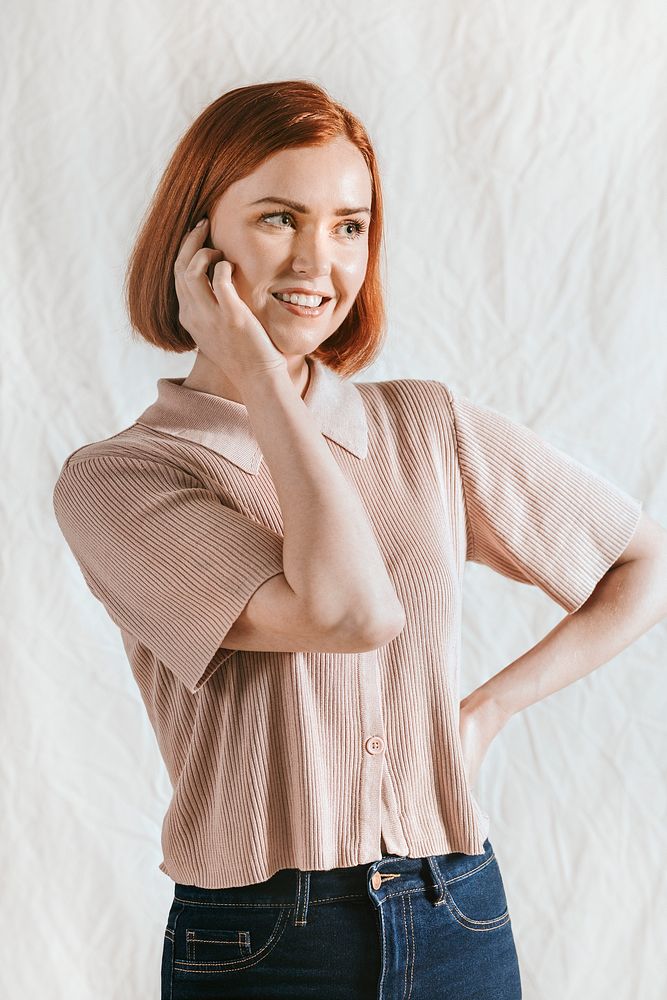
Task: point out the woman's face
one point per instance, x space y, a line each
321 246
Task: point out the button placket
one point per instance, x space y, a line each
372 747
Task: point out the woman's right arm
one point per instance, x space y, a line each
335 583
334 593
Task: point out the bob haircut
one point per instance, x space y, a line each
229 139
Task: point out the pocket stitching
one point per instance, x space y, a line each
241 941
471 921
240 963
462 918
467 922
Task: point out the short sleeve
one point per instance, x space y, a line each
534 513
171 564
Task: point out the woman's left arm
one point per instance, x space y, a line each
629 599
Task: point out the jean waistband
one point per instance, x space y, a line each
281 885
388 875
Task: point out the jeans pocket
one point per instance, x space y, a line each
474 889
216 939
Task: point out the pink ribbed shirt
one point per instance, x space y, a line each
320 760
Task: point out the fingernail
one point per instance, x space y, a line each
201 222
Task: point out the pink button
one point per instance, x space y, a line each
374 744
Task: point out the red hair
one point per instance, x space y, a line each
226 142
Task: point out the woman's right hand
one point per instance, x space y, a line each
216 317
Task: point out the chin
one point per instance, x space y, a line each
297 342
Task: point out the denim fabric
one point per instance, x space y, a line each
426 927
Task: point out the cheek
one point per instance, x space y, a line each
355 274
254 271
263 260
238 246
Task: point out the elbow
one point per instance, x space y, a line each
389 632
360 629
377 629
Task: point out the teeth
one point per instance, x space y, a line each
300 300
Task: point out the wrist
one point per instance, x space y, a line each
254 384
258 373
482 703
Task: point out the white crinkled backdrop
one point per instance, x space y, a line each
523 147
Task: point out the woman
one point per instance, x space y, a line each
283 549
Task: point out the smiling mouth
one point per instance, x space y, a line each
303 310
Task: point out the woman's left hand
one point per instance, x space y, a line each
479 723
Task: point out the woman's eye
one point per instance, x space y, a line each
358 227
275 215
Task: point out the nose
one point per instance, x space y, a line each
312 253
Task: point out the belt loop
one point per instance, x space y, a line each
302 898
437 878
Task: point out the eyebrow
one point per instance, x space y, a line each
298 207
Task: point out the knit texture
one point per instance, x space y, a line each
306 760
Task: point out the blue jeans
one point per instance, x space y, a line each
398 928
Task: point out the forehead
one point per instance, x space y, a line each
336 171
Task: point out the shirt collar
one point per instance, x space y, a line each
223 424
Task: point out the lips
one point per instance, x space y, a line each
307 312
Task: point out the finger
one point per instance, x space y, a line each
222 272
193 287
222 276
202 260
195 281
196 230
190 243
